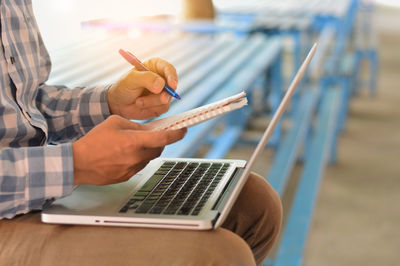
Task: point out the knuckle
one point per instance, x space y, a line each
113 118
172 69
160 63
157 59
151 62
165 66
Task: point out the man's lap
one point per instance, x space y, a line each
25 240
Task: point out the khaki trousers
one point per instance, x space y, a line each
245 238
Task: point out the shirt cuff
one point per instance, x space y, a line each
51 174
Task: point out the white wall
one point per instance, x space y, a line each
59 20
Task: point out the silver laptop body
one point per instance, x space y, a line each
122 204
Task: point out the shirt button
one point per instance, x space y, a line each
12 59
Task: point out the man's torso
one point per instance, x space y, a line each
25 65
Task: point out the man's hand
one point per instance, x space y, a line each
140 94
116 149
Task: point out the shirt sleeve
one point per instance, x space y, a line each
71 113
30 176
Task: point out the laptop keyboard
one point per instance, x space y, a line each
177 188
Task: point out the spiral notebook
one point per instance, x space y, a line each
200 114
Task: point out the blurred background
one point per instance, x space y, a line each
334 157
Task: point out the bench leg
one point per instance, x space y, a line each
276 95
374 68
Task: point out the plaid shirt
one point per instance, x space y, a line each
33 114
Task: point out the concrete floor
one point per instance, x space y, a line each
357 217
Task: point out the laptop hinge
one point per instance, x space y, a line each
225 192
216 218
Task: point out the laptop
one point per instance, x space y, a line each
176 193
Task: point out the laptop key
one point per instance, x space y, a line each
127 205
134 205
151 183
124 209
144 208
138 197
180 165
156 210
141 193
187 207
184 211
170 211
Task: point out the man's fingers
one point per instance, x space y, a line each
164 69
144 79
156 139
153 100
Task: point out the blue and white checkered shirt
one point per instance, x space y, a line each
33 114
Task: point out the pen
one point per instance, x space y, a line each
136 63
